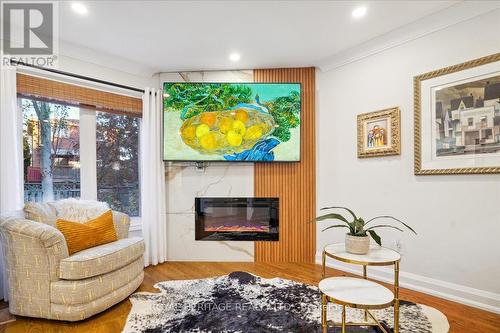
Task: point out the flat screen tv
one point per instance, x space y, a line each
233 122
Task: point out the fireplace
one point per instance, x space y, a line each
241 219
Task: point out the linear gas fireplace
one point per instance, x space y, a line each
241 219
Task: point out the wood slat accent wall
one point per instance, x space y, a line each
293 183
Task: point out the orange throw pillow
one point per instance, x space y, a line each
81 236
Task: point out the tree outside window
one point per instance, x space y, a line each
51 159
118 161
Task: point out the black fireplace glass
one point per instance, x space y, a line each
245 219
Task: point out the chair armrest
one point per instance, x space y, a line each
29 241
122 224
48 235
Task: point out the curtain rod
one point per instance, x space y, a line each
77 76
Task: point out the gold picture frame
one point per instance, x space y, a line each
418 94
379 133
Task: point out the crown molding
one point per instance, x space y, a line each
443 19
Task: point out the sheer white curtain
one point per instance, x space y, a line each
152 174
11 156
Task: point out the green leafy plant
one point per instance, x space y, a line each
286 112
358 226
194 99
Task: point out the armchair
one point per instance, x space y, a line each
46 282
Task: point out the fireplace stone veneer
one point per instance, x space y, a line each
237 219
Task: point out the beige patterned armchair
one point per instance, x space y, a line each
45 282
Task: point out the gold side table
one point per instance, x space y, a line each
377 256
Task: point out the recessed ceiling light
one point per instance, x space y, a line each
234 57
79 8
359 12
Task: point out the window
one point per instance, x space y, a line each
61 149
80 142
117 147
470 121
484 122
487 134
51 151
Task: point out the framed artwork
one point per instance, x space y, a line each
379 133
231 122
457 119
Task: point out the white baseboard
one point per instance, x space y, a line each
477 298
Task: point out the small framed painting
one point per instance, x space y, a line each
457 119
379 133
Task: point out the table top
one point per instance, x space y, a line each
356 292
376 256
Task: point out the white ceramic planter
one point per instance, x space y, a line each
357 245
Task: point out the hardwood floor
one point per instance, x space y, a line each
463 319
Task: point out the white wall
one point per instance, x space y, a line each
184 182
105 67
456 253
102 67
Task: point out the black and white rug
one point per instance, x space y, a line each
242 302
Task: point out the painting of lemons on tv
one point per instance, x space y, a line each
233 122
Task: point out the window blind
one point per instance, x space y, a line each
73 95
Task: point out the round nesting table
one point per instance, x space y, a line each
356 292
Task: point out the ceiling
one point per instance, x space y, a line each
200 35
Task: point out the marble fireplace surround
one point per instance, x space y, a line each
184 183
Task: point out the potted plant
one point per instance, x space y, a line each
357 239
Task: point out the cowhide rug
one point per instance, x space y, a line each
242 302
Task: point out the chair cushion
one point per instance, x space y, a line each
101 259
81 236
